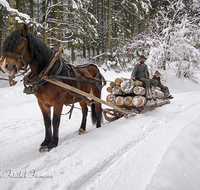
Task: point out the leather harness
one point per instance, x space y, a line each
32 82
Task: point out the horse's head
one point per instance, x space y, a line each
14 49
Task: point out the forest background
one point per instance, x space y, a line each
113 33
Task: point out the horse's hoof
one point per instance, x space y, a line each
81 131
44 149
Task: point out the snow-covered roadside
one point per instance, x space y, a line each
180 166
124 154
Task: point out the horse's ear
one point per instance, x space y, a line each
24 30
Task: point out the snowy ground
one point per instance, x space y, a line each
156 150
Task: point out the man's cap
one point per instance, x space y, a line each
158 72
142 57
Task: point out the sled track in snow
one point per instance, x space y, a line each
107 163
86 161
127 150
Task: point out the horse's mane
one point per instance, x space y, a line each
40 52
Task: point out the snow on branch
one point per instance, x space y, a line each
15 11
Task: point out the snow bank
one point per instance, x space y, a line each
180 166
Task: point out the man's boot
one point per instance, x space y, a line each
148 93
153 88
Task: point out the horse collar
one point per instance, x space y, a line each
31 82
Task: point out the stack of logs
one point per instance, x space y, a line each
129 93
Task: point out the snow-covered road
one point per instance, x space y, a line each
124 154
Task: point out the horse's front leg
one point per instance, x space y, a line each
46 111
56 122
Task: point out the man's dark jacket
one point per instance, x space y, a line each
140 71
159 82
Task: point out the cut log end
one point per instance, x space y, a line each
110 98
139 90
116 90
139 101
128 100
112 84
118 81
109 89
119 101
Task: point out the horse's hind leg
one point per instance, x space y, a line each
83 105
98 111
96 108
97 114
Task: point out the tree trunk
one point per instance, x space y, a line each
109 24
72 53
46 22
31 14
0 39
61 26
11 18
55 31
84 46
11 29
18 3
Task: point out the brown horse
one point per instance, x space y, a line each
21 50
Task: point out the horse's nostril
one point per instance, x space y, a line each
6 66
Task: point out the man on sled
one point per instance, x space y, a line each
141 73
163 88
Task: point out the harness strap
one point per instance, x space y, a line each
53 61
93 79
72 108
37 80
19 56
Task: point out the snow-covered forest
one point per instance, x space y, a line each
158 149
112 34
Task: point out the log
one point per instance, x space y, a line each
159 94
128 101
138 83
138 101
112 84
150 103
139 90
127 86
109 89
110 98
116 90
119 101
160 102
118 81
158 88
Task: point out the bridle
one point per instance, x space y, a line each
20 56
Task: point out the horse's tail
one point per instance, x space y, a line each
96 114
